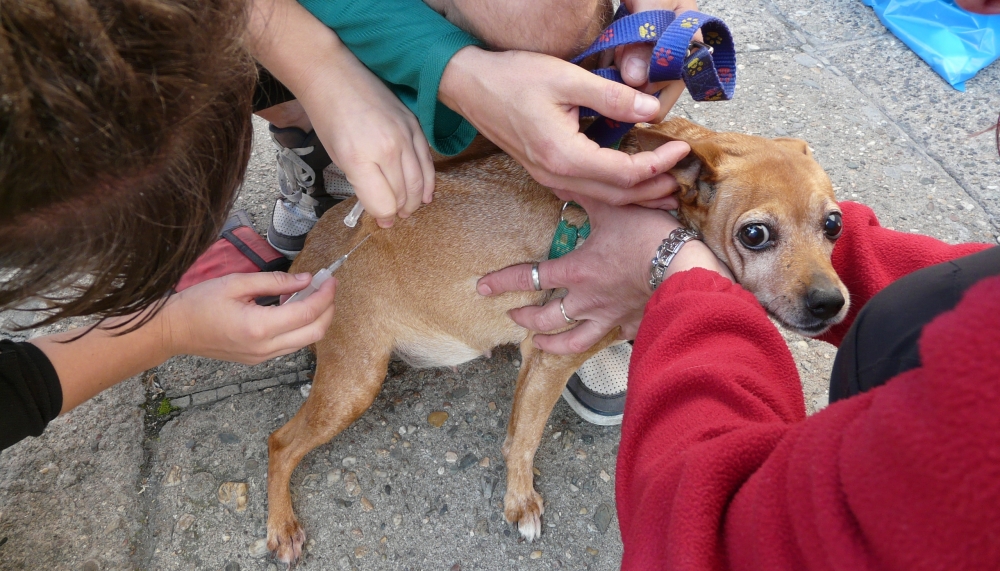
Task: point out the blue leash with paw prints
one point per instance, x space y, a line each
708 68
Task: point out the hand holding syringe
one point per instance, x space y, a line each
324 274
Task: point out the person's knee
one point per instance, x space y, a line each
561 28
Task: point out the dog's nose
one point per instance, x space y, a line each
824 303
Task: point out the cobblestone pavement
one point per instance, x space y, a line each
117 485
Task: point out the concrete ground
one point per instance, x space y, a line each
118 485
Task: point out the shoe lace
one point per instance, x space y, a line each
291 167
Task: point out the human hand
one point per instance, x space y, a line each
218 318
364 128
528 105
633 60
607 278
372 137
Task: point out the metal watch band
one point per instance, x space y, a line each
666 252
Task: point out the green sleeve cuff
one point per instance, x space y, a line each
407 45
448 132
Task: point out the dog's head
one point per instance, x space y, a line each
767 209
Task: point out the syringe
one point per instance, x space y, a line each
323 275
352 217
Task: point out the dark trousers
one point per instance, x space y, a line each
882 342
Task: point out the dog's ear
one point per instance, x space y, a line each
695 173
797 145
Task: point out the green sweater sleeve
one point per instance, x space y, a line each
407 45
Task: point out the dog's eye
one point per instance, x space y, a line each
833 225
755 236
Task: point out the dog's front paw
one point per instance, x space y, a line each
527 512
285 540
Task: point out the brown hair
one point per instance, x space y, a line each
124 135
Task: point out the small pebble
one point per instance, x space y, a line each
516 363
536 471
581 455
602 517
583 511
437 418
349 462
450 457
605 476
357 533
305 390
485 462
535 554
332 477
351 484
184 523
573 488
173 477
226 537
258 548
397 519
592 551
467 460
441 471
493 406
361 551
91 565
366 504
234 495
556 435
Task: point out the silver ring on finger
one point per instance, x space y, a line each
562 308
535 280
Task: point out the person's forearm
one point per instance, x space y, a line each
100 359
868 257
293 45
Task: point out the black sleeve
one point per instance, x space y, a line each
30 393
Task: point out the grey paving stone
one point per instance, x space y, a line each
259 385
227 390
204 397
73 494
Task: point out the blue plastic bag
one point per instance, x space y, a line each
955 43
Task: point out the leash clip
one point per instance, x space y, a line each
695 45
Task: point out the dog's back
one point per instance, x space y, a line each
416 282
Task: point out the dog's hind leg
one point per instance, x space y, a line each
347 380
539 384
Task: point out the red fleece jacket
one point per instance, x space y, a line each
719 468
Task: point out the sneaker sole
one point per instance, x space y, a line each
589 415
290 254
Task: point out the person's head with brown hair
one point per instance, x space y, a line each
124 135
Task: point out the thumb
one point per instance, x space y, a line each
265 283
614 100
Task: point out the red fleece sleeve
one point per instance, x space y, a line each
868 257
718 467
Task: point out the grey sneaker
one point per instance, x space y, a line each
309 183
596 391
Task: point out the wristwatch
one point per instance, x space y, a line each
666 252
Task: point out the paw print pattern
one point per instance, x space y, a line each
689 22
725 74
607 35
663 56
714 94
647 31
695 66
713 38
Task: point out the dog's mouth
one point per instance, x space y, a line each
811 330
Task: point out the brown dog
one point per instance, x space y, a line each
765 207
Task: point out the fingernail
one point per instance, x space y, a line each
484 289
645 104
637 70
385 223
303 277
